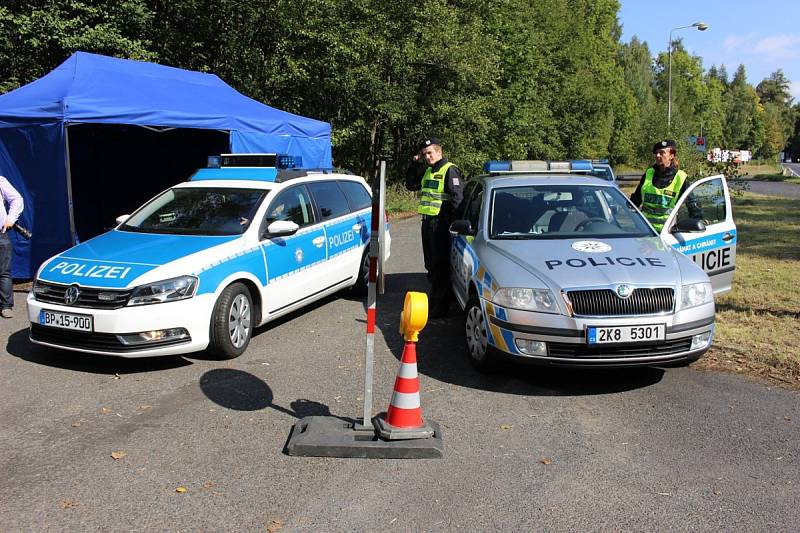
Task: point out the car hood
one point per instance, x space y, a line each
117 258
587 263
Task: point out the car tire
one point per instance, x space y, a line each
482 356
231 322
362 278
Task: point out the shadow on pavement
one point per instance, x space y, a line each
441 355
241 391
19 345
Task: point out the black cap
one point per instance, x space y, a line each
428 142
666 143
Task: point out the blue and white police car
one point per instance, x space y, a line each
553 266
200 265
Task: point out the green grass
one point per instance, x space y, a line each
771 172
752 169
400 201
625 169
757 322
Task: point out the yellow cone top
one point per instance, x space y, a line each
414 315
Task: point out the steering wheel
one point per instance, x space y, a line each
583 223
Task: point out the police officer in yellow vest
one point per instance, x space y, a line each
442 192
661 185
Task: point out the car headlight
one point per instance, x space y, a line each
169 290
540 300
696 294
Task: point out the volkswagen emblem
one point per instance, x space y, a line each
624 291
71 294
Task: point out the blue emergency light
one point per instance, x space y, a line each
536 166
289 161
259 167
581 165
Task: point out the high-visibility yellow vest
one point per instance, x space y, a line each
658 203
430 202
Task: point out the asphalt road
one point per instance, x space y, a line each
526 449
794 168
775 188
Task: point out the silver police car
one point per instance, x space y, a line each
555 267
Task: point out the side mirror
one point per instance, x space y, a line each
461 227
281 228
689 225
122 219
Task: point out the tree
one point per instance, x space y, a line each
775 89
744 121
38 35
688 89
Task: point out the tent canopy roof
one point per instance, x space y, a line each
92 88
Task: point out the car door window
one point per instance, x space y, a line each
330 199
705 202
473 210
294 205
469 190
357 195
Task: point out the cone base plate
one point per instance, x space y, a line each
390 432
327 436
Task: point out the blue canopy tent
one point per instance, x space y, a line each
108 106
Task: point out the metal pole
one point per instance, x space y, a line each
382 231
701 26
369 352
72 234
669 84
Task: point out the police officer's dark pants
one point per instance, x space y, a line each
436 252
6 285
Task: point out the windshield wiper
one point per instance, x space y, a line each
514 236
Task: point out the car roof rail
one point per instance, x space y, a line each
295 173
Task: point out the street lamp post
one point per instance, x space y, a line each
701 26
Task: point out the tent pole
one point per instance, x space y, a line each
72 234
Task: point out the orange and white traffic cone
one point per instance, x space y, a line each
403 419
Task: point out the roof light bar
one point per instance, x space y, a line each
535 166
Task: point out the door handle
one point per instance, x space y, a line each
727 237
318 241
356 227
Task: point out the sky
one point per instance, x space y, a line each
762 35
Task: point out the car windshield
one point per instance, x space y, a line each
564 212
197 211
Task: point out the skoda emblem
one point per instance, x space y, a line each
624 291
71 294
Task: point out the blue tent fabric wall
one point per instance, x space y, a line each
32 159
95 89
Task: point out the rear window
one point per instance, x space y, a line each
330 199
356 194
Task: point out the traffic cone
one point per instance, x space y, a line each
403 419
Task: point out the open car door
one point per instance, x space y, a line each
701 226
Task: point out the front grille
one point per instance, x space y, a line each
605 302
582 351
106 342
89 297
